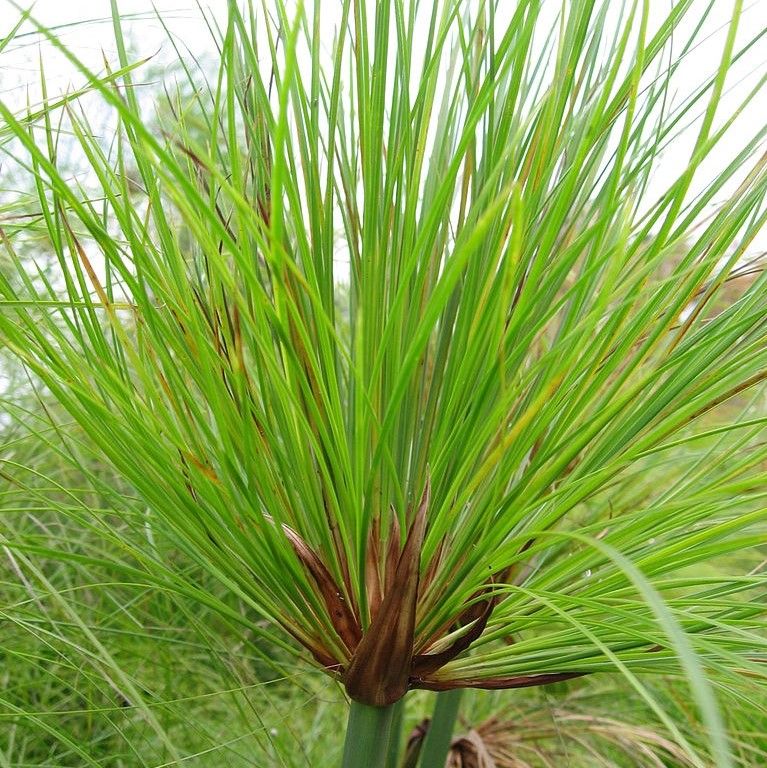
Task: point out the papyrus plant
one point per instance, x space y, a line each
500 456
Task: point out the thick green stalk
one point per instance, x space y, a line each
436 743
368 734
395 740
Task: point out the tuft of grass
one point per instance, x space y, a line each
501 454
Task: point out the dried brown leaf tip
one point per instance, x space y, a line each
380 664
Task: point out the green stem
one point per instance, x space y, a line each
368 734
436 743
395 740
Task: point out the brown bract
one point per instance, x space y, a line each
380 664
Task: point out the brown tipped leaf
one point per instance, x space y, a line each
341 615
498 683
426 663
